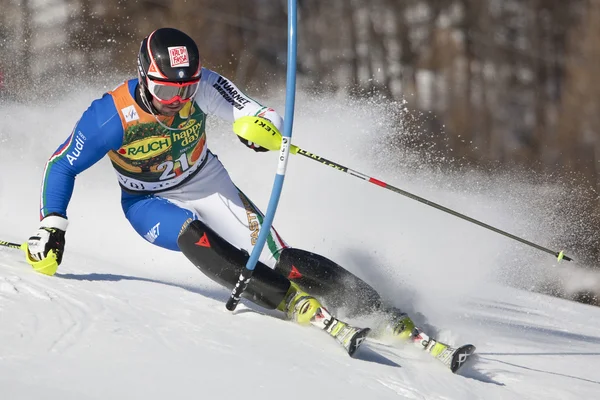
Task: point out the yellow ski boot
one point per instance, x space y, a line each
299 306
403 327
304 309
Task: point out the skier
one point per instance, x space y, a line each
177 194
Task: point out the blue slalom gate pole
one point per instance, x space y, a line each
290 99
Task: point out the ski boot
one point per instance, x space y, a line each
402 327
304 309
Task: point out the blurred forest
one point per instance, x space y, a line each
510 82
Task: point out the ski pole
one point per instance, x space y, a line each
11 245
47 266
252 129
246 274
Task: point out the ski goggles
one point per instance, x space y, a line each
170 92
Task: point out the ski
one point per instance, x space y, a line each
356 339
350 337
452 357
460 356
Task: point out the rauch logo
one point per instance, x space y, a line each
146 148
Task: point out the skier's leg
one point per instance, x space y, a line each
339 288
223 262
221 206
166 224
334 284
223 209
169 224
228 212
155 219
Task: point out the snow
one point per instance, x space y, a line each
123 319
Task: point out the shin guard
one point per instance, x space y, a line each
328 281
223 263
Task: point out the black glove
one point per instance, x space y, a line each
252 145
50 236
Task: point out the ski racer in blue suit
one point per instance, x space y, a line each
177 194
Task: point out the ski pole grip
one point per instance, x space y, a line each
238 289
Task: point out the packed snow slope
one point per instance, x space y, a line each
123 319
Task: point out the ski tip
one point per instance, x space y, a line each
460 356
358 339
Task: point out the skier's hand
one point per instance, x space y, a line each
50 236
273 117
252 145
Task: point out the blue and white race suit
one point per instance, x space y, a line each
168 177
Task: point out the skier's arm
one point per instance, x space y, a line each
98 131
219 96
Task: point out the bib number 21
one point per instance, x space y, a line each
169 166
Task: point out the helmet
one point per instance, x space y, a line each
168 54
169 65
